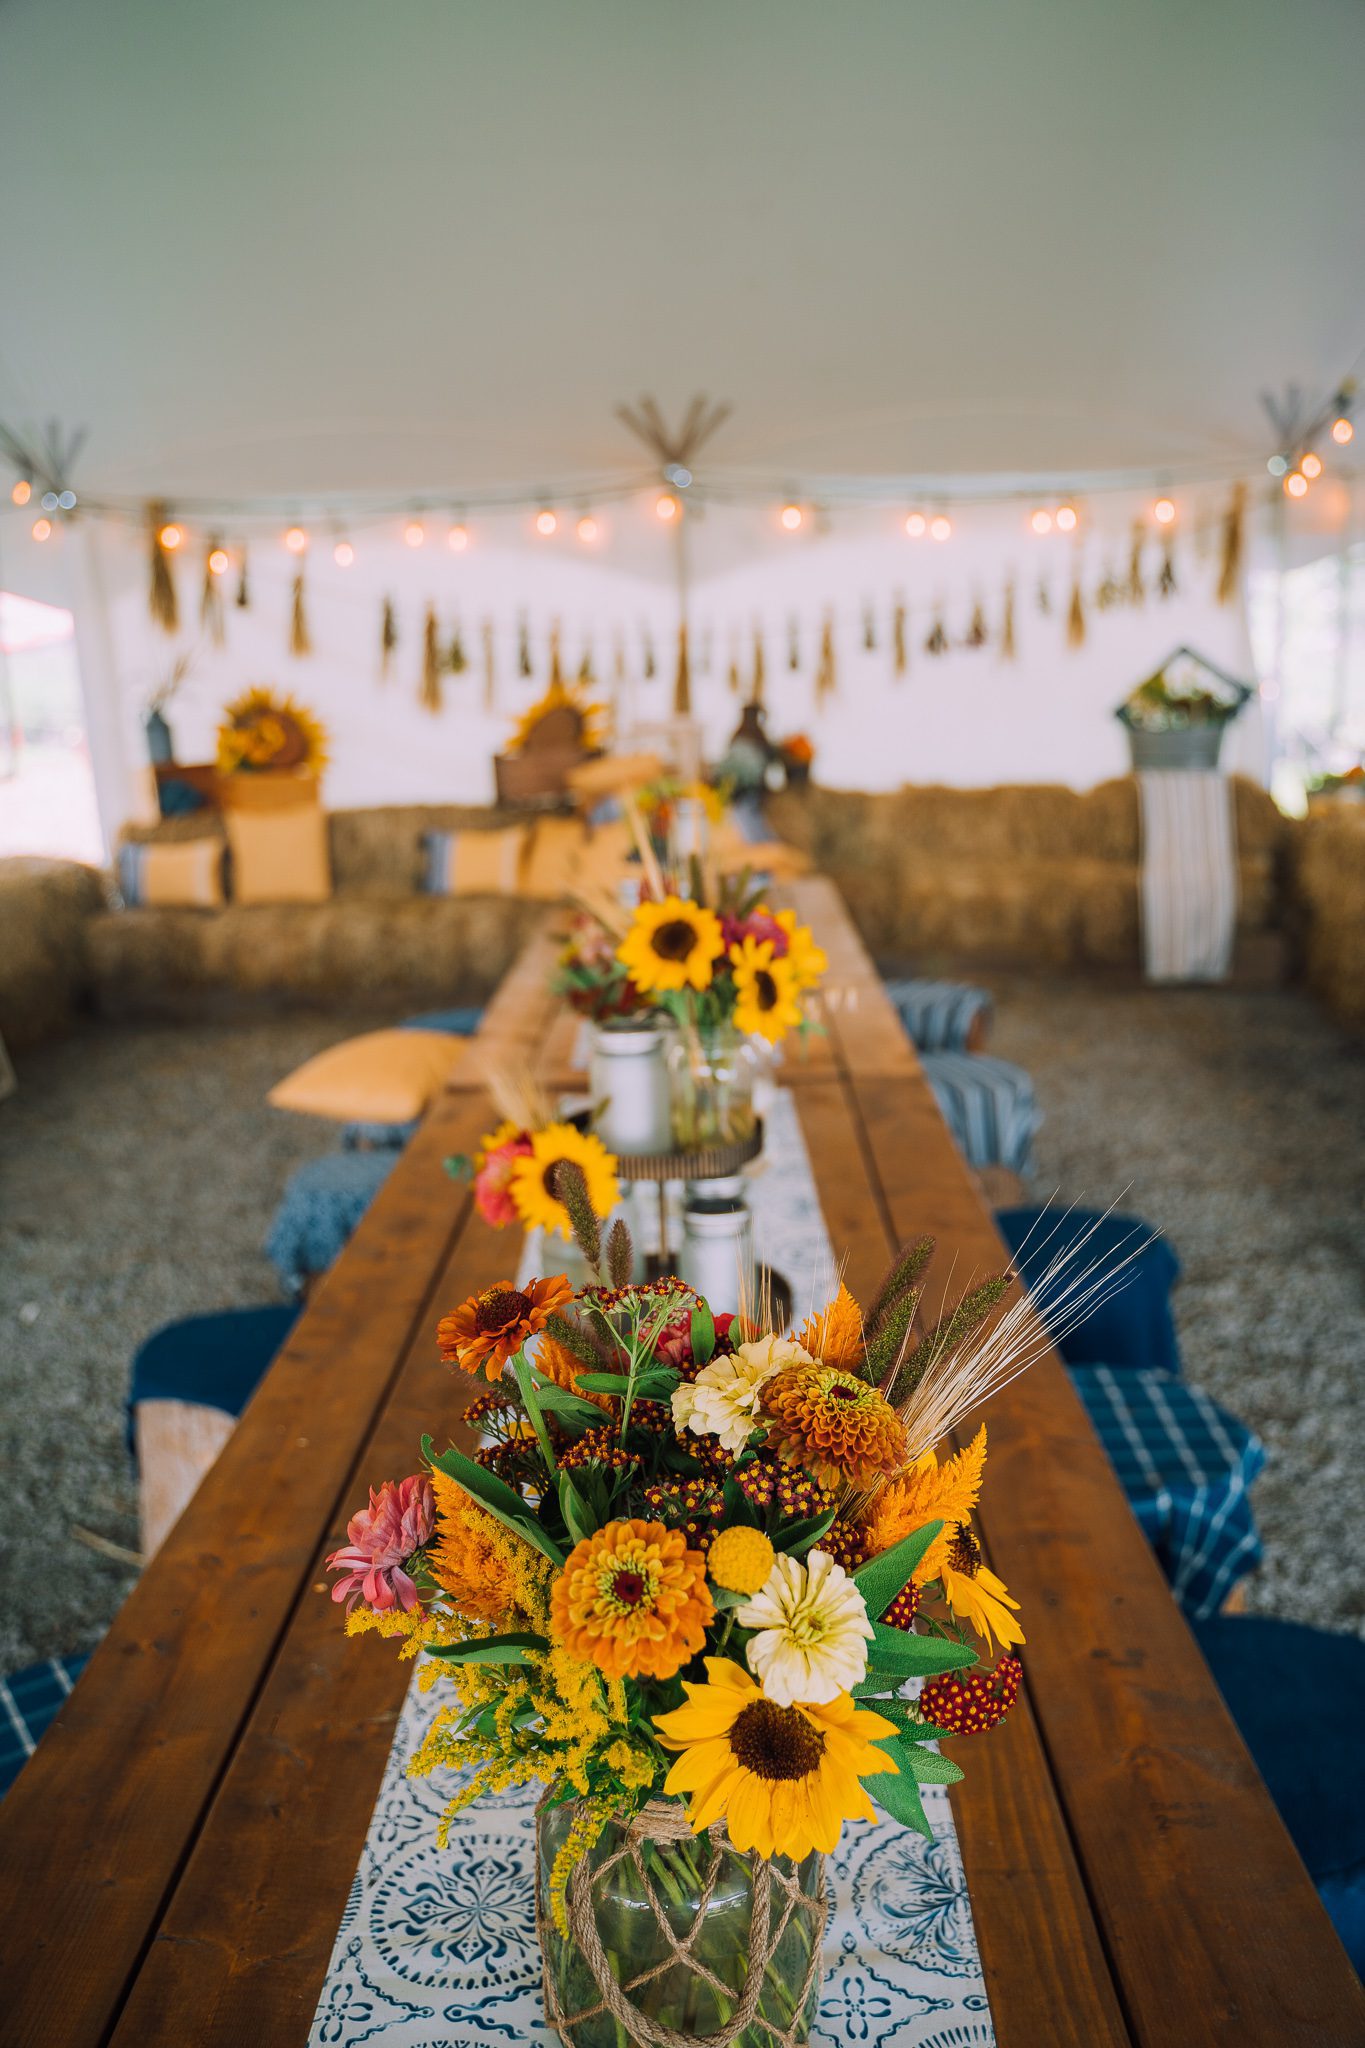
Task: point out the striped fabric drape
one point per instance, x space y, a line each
1189 874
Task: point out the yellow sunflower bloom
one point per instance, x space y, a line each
783 1779
977 1596
928 1492
765 991
531 1184
266 729
806 960
671 945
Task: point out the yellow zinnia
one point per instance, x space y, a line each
783 1779
765 991
531 1184
671 945
806 960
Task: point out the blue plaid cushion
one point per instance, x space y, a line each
29 1703
938 1015
1186 1466
988 1105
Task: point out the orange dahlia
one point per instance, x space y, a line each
632 1600
488 1329
832 1424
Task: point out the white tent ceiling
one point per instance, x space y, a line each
335 245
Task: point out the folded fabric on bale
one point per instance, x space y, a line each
939 1016
988 1105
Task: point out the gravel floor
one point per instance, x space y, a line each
139 1167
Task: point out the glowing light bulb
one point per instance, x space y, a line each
414 533
1296 484
665 506
1277 465
941 527
343 554
1311 464
457 540
792 517
42 529
546 523
1342 431
21 492
1163 511
218 561
296 540
1067 517
587 529
1041 521
916 525
170 537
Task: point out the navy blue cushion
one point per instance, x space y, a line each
216 1361
30 1701
1133 1329
463 1023
1296 1695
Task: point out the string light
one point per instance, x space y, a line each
50 501
916 525
1163 511
21 492
343 554
546 523
941 527
67 500
218 561
296 540
587 529
42 529
1067 517
1277 465
414 533
665 506
457 540
1342 431
1311 464
1041 521
792 517
1296 484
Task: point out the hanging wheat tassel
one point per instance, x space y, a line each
1044 598
556 660
161 598
211 598
900 652
388 637
243 597
937 642
977 635
826 676
1136 588
586 673
299 640
429 696
732 673
682 681
650 665
1075 616
457 661
524 669
1165 583
1234 538
490 672
1008 650
760 676
869 630
793 645
618 656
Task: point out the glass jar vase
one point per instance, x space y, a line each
677 1938
711 1074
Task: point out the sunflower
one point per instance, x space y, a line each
806 960
832 1424
531 1180
562 696
632 1600
671 945
263 730
765 991
488 1329
487 1573
783 1779
976 1595
928 1492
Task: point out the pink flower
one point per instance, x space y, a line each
398 1521
492 1183
674 1346
760 924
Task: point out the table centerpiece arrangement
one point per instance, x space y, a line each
689 1582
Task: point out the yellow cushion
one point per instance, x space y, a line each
383 1077
551 860
280 856
185 873
485 863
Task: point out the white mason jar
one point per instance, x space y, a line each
717 1254
628 1079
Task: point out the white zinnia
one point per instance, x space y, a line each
722 1401
813 1631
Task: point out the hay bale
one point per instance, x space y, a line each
1327 879
45 910
379 850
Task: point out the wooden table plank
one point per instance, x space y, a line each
95 1829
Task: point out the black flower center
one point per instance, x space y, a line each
765 988
675 940
499 1306
777 1743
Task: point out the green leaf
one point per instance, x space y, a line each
926 1766
912 1656
899 1796
604 1382
501 1501
490 1650
884 1577
569 1405
577 1518
703 1334
802 1536
657 1383
905 1716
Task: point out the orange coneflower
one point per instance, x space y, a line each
832 1424
632 1600
488 1329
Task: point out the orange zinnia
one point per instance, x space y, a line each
632 1600
488 1329
832 1424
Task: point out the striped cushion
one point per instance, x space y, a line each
938 1015
988 1105
29 1703
472 863
179 873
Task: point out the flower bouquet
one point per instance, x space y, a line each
515 1169
690 1583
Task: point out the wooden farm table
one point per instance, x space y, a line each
176 1858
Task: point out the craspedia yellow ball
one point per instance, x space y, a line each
740 1559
